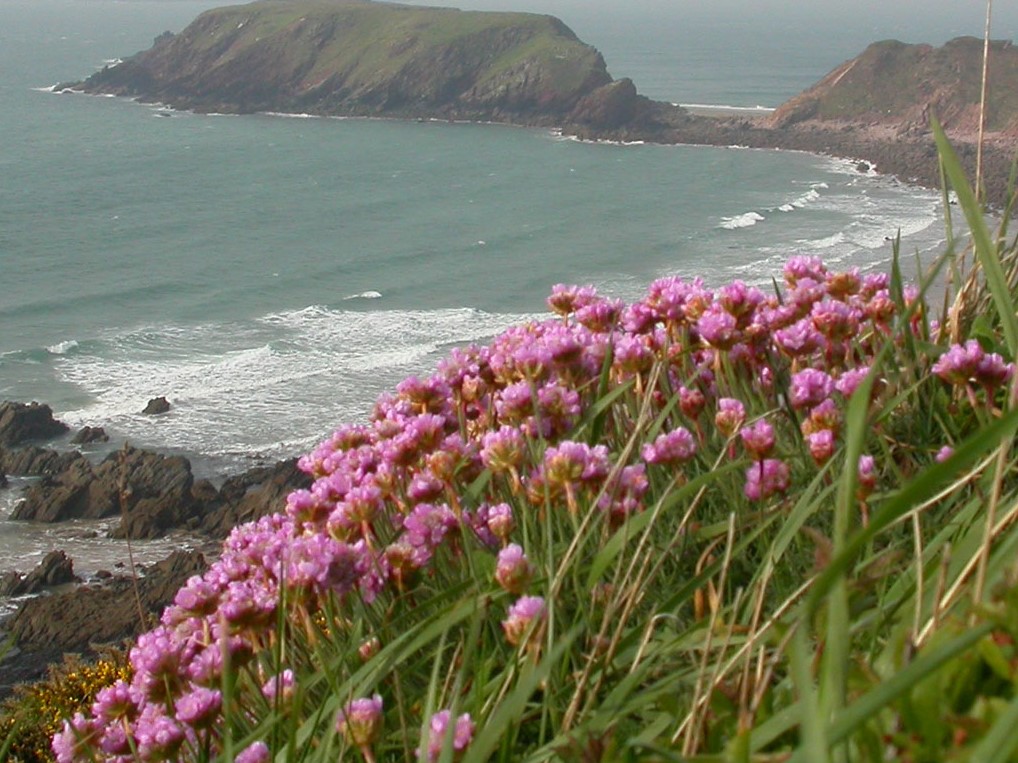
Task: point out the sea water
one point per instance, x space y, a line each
271 274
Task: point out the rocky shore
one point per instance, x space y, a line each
152 494
911 157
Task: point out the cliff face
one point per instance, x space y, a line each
901 85
362 58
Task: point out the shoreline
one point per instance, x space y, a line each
909 157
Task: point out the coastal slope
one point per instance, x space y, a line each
900 86
364 58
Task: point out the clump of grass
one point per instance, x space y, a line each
714 525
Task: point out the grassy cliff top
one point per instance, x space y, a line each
358 56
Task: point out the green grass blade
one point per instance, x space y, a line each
1000 743
986 251
511 709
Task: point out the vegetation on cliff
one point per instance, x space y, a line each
901 85
716 524
357 57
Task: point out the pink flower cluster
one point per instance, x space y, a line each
389 496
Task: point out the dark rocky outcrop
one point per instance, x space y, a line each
156 406
25 422
152 492
46 627
33 461
252 495
55 569
87 435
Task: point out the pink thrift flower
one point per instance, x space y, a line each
280 687
758 439
959 364
867 475
360 722
526 618
675 447
691 402
72 744
801 266
766 478
257 752
718 328
798 339
121 700
500 521
731 413
810 387
503 449
850 380
200 707
462 734
565 300
821 445
513 570
944 453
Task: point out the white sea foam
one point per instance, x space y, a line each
723 107
234 388
364 295
744 220
62 348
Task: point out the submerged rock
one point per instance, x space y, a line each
156 406
88 435
55 569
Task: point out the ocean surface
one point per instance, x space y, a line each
271 274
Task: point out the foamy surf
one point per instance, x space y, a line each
363 295
234 388
745 220
62 348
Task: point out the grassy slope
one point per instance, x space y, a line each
353 51
892 80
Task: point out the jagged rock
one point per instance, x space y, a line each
33 461
56 568
46 627
157 405
152 492
254 494
87 435
21 422
10 583
610 106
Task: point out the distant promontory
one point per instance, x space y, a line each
375 59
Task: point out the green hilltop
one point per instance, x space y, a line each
357 57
